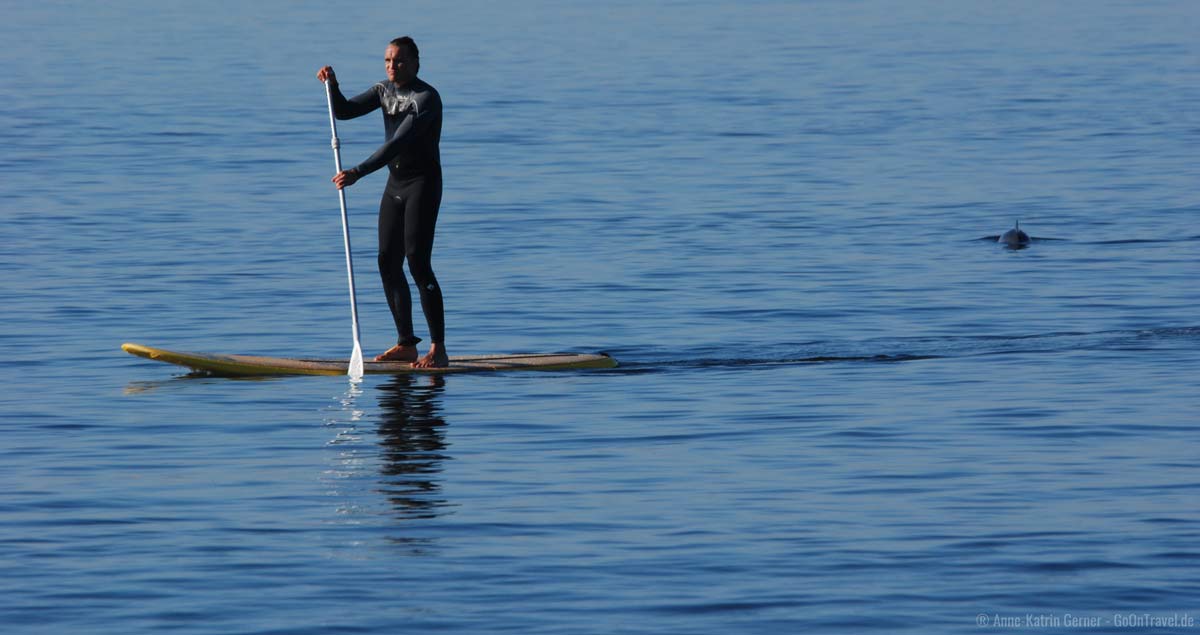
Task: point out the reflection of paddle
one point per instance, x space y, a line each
356 358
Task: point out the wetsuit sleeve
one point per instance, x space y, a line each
414 124
357 106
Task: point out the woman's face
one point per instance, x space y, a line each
401 68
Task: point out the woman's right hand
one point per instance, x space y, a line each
326 73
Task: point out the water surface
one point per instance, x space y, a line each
838 409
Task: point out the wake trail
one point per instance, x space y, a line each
899 350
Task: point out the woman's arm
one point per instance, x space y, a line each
344 108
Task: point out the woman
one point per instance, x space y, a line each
412 120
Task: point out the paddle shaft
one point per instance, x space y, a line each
355 370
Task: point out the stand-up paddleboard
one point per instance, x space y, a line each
247 365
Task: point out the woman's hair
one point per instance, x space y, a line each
408 43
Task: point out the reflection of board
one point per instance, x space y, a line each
241 365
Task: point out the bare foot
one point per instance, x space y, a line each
398 353
435 358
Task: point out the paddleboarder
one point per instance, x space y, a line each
412 121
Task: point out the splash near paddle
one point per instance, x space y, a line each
254 365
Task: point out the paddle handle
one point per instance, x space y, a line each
355 370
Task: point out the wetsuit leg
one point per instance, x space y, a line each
420 219
407 220
391 264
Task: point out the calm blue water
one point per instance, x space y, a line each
839 410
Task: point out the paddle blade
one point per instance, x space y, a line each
356 364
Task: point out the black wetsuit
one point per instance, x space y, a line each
412 119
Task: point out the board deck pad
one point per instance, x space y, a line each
246 365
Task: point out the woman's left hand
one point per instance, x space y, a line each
345 178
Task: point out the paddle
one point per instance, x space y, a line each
355 369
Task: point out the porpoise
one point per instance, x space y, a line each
1014 238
